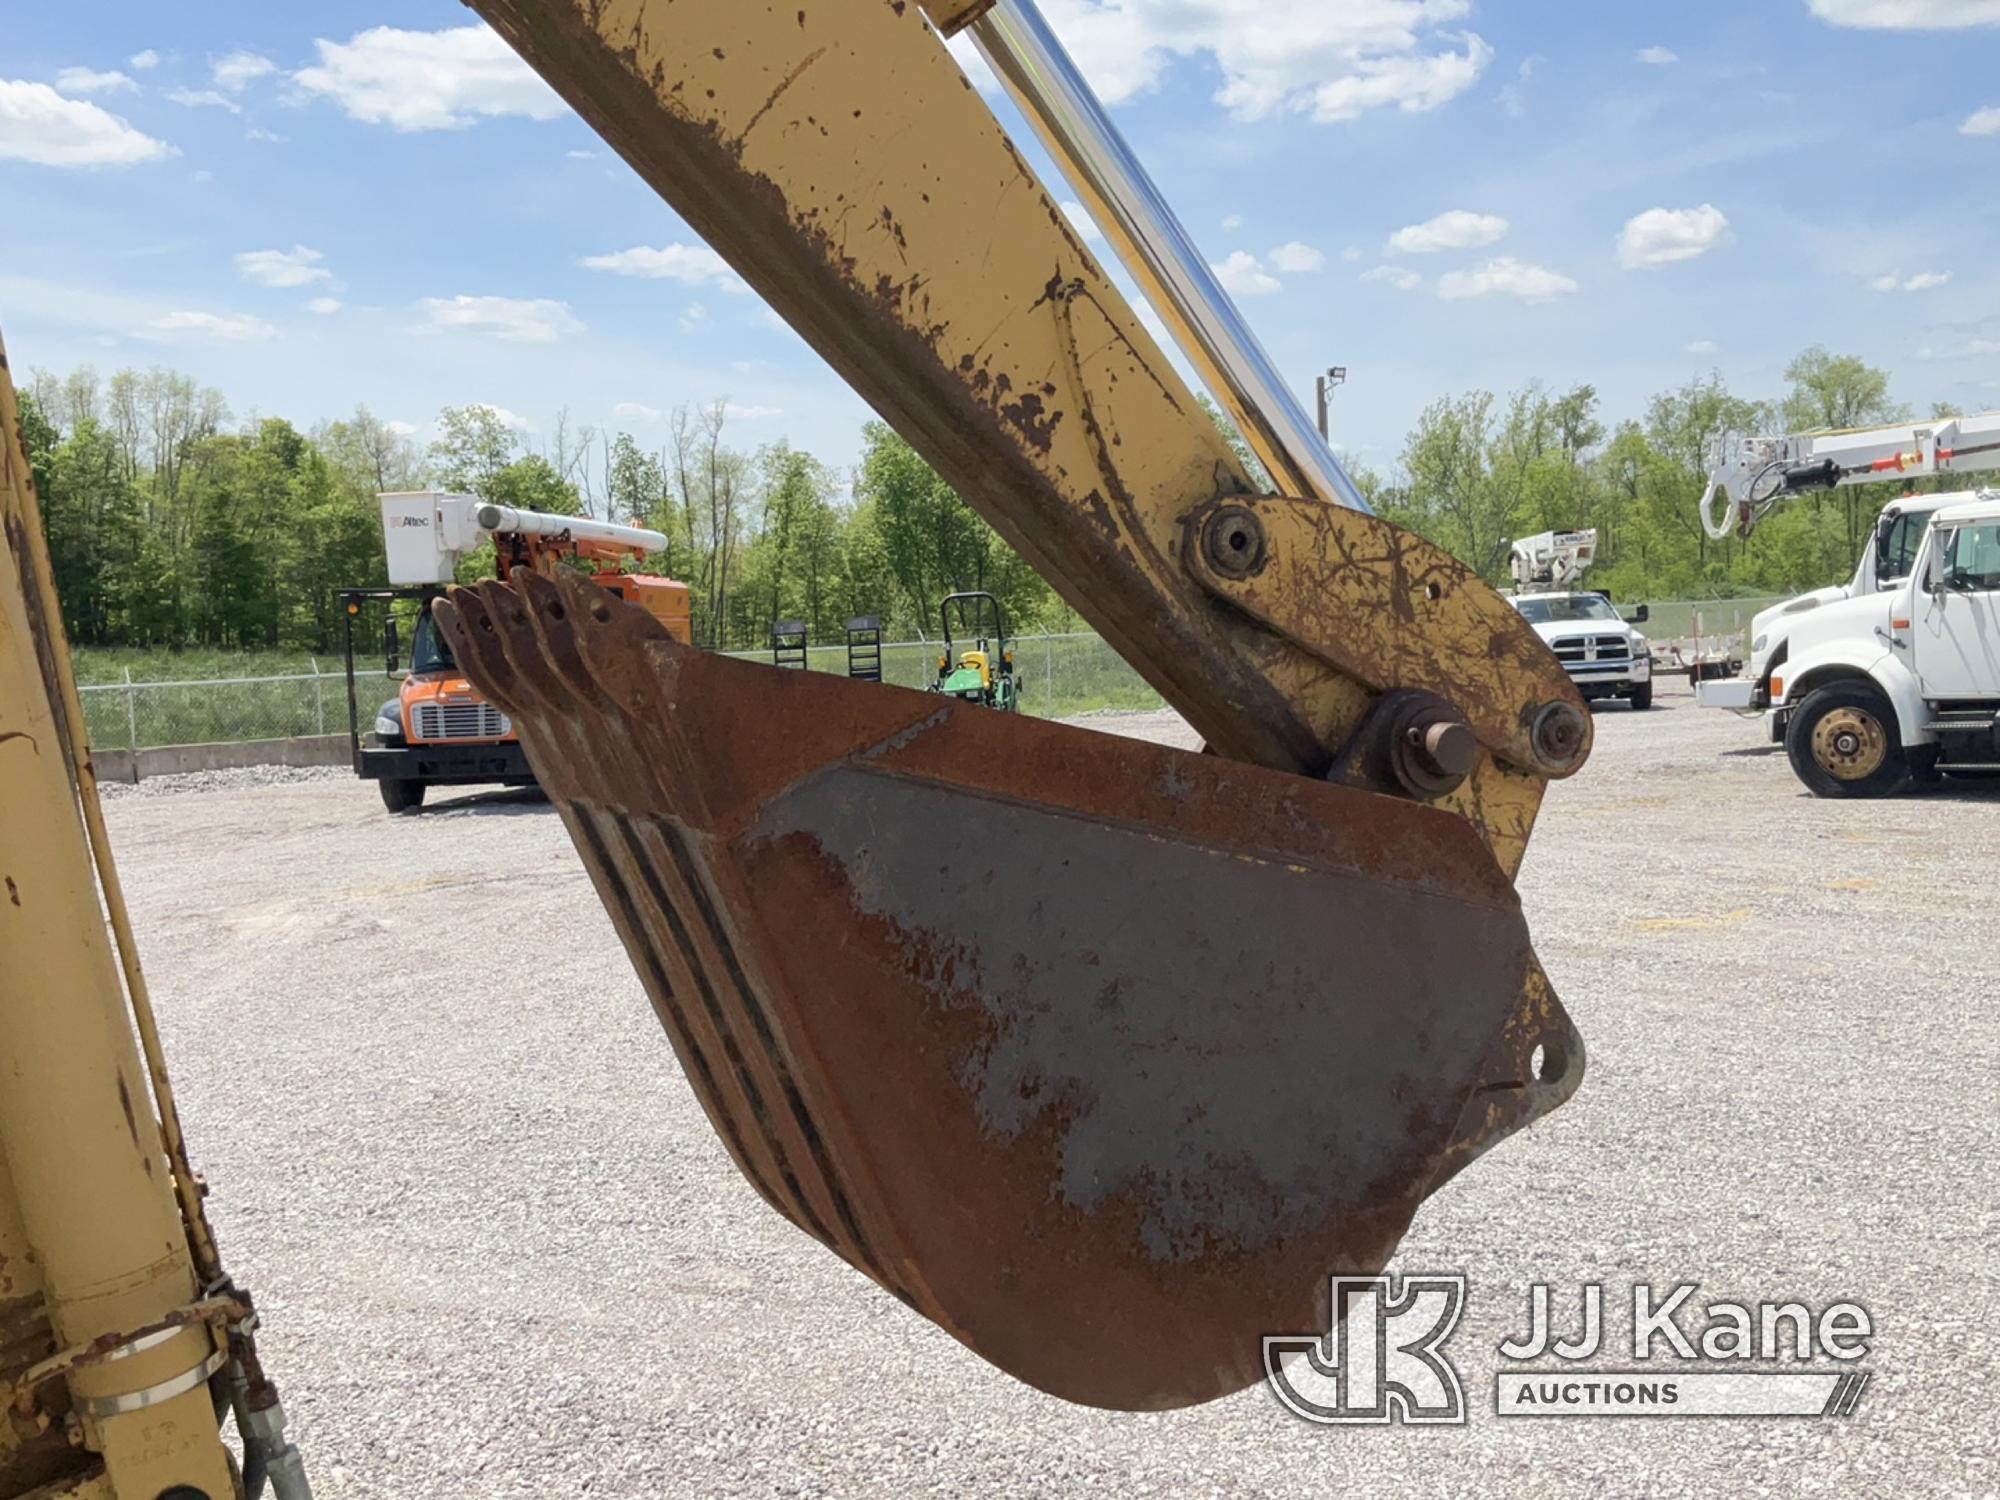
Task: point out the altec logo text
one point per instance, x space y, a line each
1384 1358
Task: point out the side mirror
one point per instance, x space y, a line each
1642 614
391 648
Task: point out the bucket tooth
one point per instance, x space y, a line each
1100 1054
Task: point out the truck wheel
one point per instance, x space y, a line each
1843 742
1642 695
402 796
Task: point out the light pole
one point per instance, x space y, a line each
1324 384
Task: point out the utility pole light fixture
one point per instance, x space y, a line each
1336 375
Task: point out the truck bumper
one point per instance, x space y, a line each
446 764
1616 680
1740 694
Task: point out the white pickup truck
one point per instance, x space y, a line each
1604 656
1893 681
1885 563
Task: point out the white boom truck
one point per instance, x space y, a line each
1905 680
1749 476
1604 656
1888 675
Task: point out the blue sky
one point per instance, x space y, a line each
310 206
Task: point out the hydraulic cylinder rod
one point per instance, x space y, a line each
1158 251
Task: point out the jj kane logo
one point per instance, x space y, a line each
1383 1359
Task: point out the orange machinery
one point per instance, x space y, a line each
438 730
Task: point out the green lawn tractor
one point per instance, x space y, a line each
984 672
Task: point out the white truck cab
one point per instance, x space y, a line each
1902 680
1885 563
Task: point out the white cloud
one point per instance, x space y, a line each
1703 346
239 70
401 429
1662 236
690 265
1415 85
215 328
1295 256
1505 277
581 155
1459 229
324 306
1081 221
1352 254
524 320
695 315
1231 223
1514 96
1399 277
1967 349
87 81
1923 281
1982 121
750 413
1908 15
428 80
1659 57
297 266
39 125
503 416
1298 57
259 133
144 60
1243 276
635 411
203 99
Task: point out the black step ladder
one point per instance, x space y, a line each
864 648
788 643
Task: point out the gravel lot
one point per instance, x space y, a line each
500 1253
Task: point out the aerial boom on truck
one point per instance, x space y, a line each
1748 476
1552 560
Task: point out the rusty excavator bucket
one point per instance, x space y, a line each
1100 1054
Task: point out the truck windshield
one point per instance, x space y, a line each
428 651
1569 607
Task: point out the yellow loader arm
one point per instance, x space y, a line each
1101 1055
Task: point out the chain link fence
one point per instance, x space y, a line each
1061 675
132 715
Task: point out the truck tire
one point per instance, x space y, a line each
1642 695
1843 741
402 796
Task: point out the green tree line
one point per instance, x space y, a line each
1478 471
170 524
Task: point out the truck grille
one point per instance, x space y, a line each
460 721
1585 650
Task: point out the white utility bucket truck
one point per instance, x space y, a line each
1604 656
1906 680
1748 477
